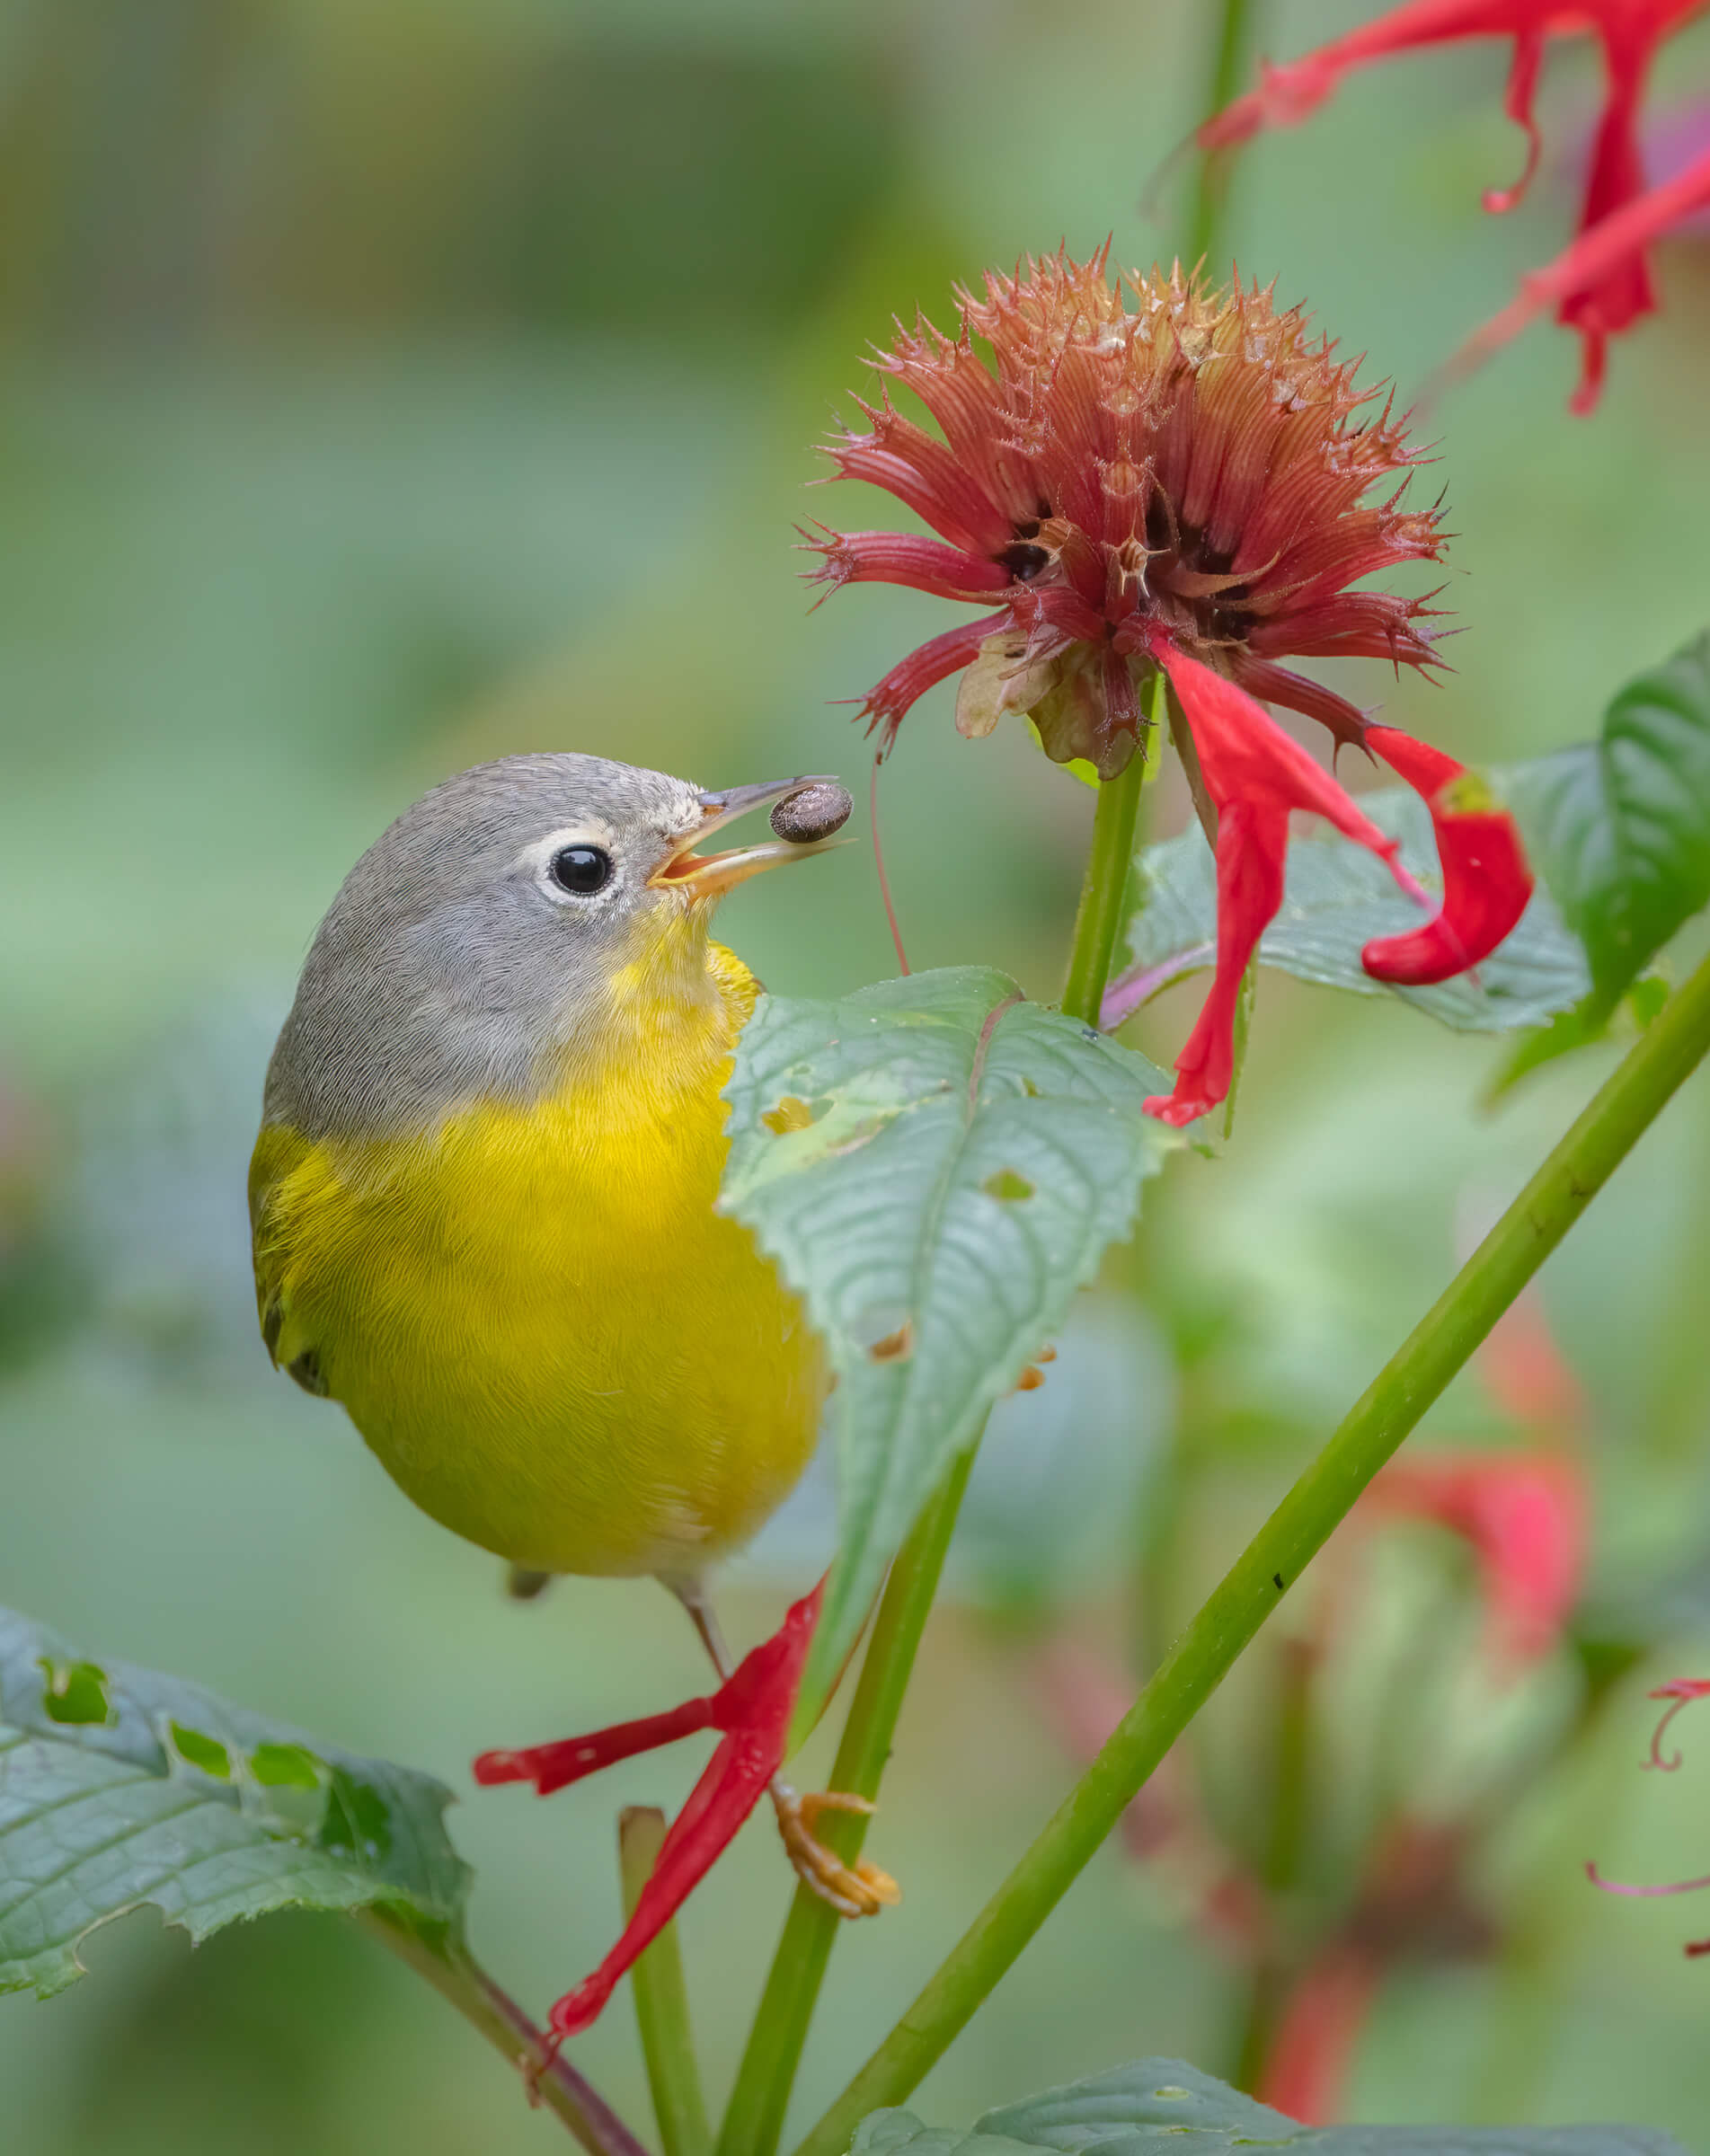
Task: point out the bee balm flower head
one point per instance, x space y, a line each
1173 479
1160 466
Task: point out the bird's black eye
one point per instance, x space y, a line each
581 870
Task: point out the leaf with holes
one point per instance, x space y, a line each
1160 2107
1336 897
936 1165
119 1788
1620 826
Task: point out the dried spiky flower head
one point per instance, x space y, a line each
1151 477
1143 461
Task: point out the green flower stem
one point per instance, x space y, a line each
1211 184
457 1975
1414 1377
1102 912
754 2122
661 1997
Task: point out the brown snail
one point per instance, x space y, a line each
813 813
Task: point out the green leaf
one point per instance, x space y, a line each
1160 2107
1620 826
119 1788
936 1165
1337 896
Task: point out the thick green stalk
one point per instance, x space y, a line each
1414 1377
754 2122
661 1997
1100 916
458 1977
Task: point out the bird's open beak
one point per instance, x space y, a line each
710 875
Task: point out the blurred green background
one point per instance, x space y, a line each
389 384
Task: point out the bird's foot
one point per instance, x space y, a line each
860 1889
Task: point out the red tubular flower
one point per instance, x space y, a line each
752 1708
1312 2051
1527 1516
1619 292
1486 883
1256 774
1593 261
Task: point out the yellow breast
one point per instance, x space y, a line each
536 1319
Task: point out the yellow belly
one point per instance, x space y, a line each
541 1328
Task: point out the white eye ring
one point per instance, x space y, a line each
576 865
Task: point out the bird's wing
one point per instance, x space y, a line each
279 1158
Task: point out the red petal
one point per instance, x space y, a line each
753 1706
1256 774
1486 882
917 468
1246 756
1594 258
1312 2052
905 558
1517 102
889 700
1294 692
1287 94
1252 845
555 1766
1617 299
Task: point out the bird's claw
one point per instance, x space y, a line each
861 1889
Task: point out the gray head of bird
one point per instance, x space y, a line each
503 925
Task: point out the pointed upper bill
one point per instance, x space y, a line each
703 877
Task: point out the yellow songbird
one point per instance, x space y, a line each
483 1203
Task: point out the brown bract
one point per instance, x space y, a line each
1143 461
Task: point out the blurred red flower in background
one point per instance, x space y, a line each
1315 1908
1604 292
1527 1518
1179 485
1593 258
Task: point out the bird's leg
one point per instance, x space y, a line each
858 1890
